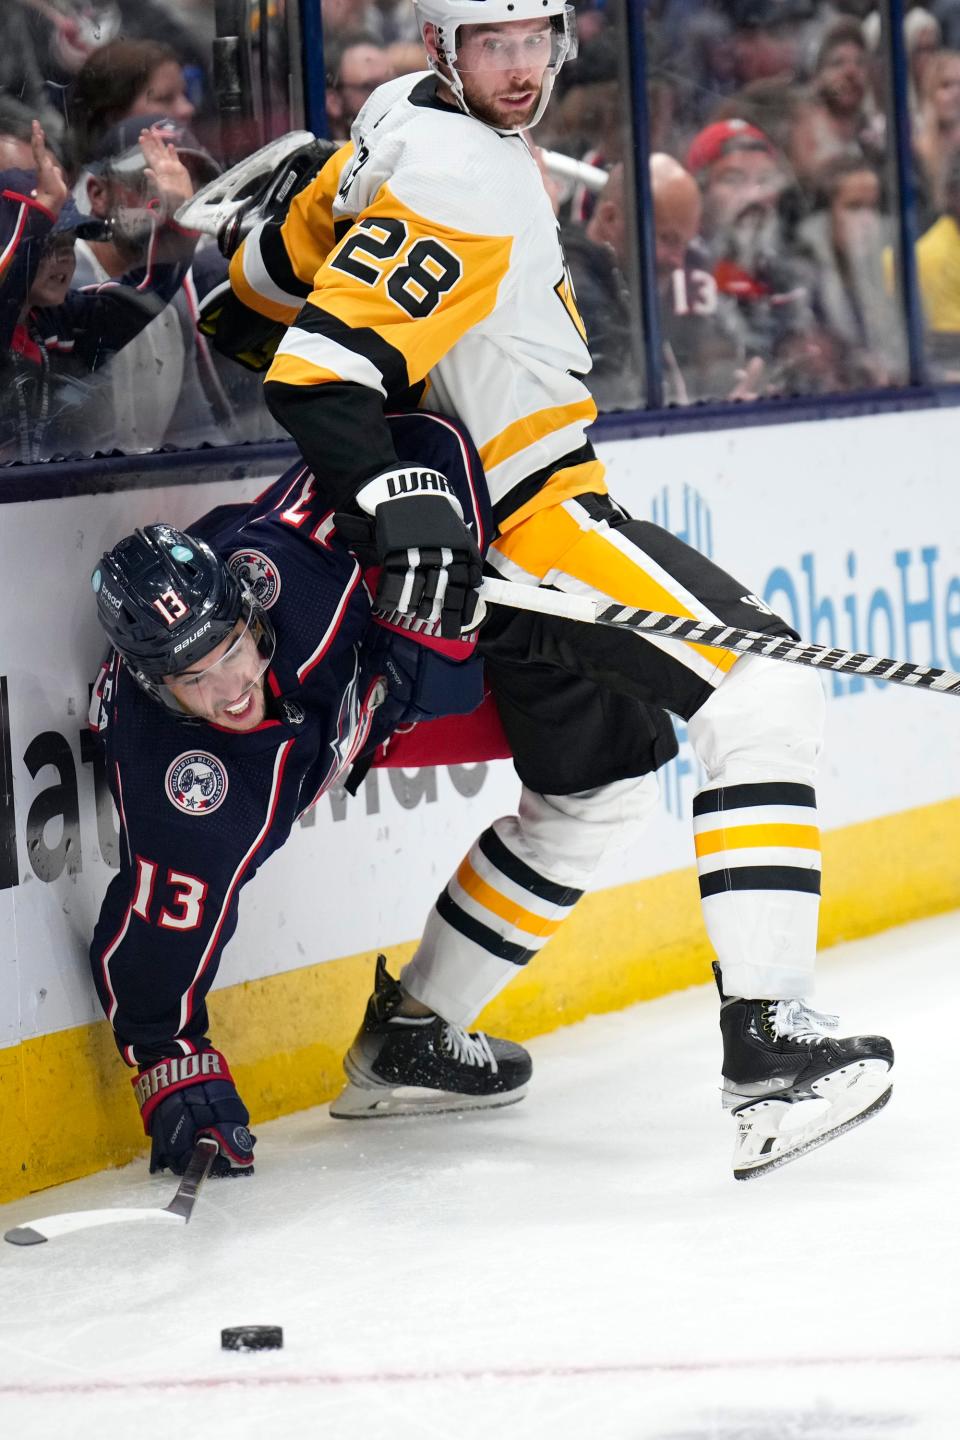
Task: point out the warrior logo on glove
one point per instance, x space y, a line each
430 566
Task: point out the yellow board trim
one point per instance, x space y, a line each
753 837
66 1108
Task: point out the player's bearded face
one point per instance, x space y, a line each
226 686
501 68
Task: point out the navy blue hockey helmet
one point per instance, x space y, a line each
166 600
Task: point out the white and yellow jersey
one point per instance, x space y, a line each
434 260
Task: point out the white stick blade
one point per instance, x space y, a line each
50 1226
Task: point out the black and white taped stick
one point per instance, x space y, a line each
724 637
178 1212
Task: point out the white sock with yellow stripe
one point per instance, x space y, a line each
758 858
515 888
494 915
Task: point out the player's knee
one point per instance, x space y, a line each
764 720
565 837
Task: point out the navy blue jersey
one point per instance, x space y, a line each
200 806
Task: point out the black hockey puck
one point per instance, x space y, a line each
252 1337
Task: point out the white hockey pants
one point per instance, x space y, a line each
758 738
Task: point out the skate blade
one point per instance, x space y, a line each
364 1102
770 1133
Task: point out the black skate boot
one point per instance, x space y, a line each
402 1065
790 1085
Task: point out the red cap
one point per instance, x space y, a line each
723 136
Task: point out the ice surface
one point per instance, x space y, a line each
582 1265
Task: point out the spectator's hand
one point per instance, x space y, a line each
51 191
168 177
749 384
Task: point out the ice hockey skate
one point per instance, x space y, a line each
406 1065
791 1084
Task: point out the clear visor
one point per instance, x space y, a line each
515 45
207 687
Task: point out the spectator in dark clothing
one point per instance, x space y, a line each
356 65
701 357
22 71
595 254
742 178
52 339
156 396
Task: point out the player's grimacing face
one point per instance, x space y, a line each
226 686
501 68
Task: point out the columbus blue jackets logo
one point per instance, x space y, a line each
196 783
257 572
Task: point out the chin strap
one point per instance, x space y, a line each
455 86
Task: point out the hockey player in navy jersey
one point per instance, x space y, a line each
247 678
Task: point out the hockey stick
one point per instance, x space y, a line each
178 1212
220 199
579 171
724 637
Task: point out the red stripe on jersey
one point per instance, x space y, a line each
107 956
453 649
274 685
111 948
10 251
229 729
283 498
332 628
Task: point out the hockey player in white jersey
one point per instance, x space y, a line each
424 259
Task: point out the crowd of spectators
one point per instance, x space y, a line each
771 179
108 123
779 110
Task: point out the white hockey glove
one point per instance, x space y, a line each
431 566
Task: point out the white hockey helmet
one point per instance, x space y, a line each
449 15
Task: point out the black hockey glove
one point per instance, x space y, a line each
431 564
182 1099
